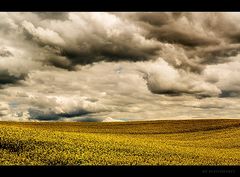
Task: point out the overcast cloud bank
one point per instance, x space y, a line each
119 66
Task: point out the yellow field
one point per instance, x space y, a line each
188 142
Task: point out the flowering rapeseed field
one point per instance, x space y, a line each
188 142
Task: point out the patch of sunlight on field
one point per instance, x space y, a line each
189 142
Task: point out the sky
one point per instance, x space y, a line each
119 66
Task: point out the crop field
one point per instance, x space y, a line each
175 142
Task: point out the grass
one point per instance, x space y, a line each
176 142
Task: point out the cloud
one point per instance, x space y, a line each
204 38
5 53
109 119
7 78
177 57
108 42
120 90
41 35
187 29
218 54
53 15
4 109
40 115
100 66
163 79
185 40
226 77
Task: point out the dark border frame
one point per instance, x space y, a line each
119 5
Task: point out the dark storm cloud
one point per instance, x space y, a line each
210 37
7 78
218 54
111 51
131 37
59 62
174 28
151 19
41 115
84 38
230 93
102 44
235 37
174 34
188 30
